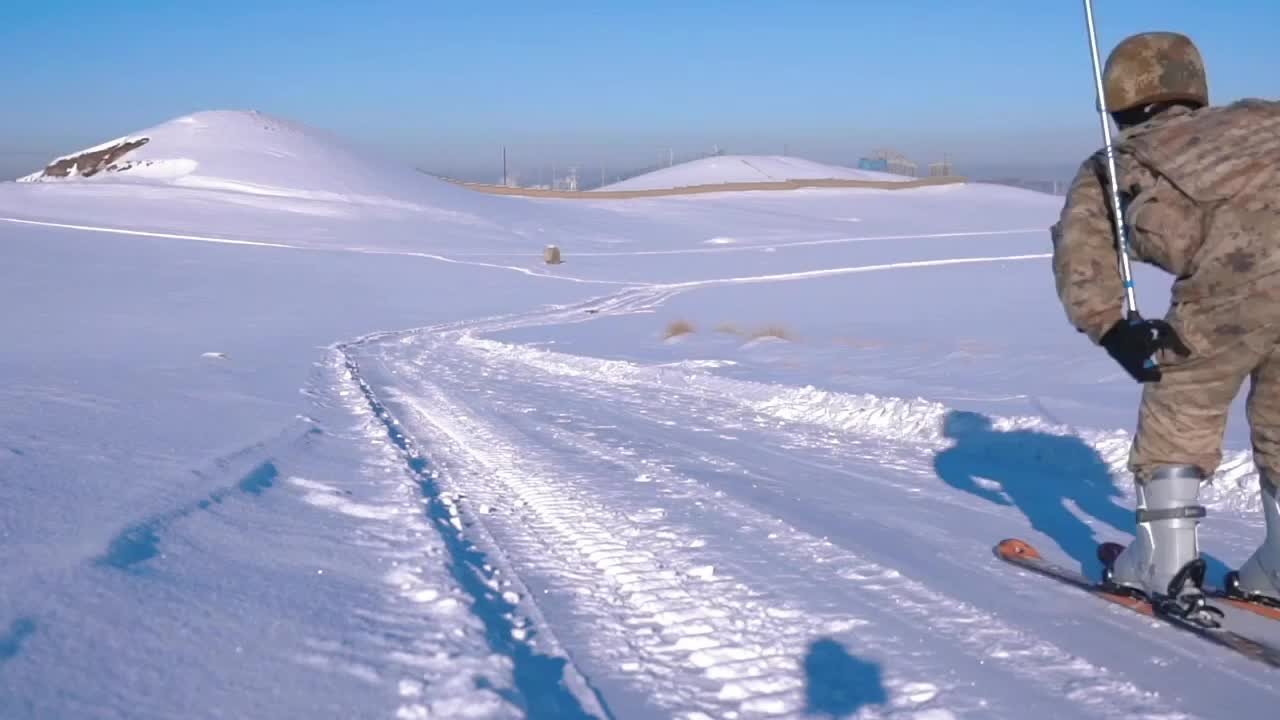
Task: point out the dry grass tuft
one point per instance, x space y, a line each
677 328
728 329
858 343
775 331
771 330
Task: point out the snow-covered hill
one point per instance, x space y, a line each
723 169
251 153
272 448
234 170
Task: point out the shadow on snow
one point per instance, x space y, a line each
838 684
140 542
11 641
1039 474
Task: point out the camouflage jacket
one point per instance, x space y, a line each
1201 195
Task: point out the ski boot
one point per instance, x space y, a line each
1163 564
1258 580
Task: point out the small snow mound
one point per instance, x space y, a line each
720 241
703 572
934 714
704 364
920 692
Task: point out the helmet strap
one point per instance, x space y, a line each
1143 113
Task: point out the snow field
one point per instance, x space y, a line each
502 493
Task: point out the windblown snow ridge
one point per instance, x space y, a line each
903 420
935 423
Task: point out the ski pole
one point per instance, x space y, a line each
1122 241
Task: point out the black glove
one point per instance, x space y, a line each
1132 342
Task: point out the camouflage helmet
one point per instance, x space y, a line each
1154 67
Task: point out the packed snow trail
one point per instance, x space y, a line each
694 553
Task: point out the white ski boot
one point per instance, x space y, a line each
1163 562
1259 578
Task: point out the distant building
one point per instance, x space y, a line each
903 166
889 161
940 169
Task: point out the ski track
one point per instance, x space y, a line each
683 629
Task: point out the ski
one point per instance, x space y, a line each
1022 554
1252 606
1272 612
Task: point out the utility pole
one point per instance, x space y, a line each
671 157
504 165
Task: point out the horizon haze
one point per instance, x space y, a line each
608 90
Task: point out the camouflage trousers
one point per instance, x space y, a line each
1182 418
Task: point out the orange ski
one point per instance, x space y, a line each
1024 555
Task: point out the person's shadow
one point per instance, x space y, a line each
838 684
1038 473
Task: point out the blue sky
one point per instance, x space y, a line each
992 82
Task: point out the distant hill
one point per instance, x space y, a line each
743 169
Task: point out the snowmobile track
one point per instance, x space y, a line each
550 686
661 611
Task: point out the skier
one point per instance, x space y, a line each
1200 192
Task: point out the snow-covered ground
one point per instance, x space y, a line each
349 449
722 169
